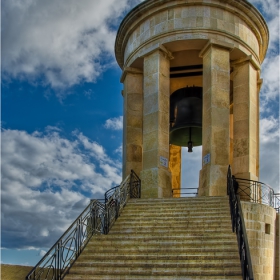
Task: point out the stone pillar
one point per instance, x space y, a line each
245 120
132 120
215 124
175 168
156 177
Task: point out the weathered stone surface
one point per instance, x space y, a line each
133 121
156 125
215 126
175 168
245 120
260 223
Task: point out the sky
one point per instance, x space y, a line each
61 116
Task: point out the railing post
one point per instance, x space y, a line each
130 183
58 261
238 226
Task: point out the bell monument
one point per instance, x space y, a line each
191 75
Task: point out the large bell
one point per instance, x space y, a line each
186 117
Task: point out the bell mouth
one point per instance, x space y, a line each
181 136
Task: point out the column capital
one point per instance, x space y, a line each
215 43
163 49
247 59
129 70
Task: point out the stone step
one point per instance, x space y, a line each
178 200
197 256
169 230
164 239
210 251
144 277
152 248
174 217
172 210
173 235
170 206
206 270
213 262
172 223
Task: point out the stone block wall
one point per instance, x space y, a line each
260 225
277 248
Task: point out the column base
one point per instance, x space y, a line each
213 180
155 183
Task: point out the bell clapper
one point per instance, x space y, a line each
190 144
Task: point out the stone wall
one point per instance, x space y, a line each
260 225
277 248
200 18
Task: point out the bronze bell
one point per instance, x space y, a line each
186 117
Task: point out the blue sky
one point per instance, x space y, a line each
62 116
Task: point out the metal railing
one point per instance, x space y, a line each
257 192
238 226
97 218
184 192
276 201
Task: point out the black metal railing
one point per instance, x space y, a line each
97 218
238 226
276 199
184 192
257 192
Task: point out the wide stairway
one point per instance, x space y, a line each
183 238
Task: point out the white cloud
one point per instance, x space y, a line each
269 97
270 74
114 123
269 152
46 182
65 42
42 253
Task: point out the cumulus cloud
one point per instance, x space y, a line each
42 253
46 182
114 123
269 152
64 42
269 97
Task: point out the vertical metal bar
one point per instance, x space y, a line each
130 183
57 261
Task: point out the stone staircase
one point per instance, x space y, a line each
183 238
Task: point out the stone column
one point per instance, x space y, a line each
245 120
215 124
132 120
175 168
156 177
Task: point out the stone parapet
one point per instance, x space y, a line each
260 226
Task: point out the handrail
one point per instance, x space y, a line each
257 192
238 226
276 199
177 192
97 218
